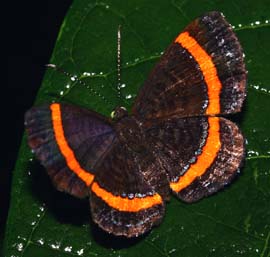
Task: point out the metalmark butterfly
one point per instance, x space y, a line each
174 139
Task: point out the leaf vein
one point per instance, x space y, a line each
28 241
179 8
258 157
246 27
266 245
160 251
60 250
222 223
264 91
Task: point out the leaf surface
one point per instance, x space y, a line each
235 222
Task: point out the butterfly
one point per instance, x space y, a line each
174 141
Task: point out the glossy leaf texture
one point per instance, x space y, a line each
235 222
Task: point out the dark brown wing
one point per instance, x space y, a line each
202 72
123 201
69 141
200 154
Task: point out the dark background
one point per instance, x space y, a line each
32 29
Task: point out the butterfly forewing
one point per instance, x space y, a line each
201 73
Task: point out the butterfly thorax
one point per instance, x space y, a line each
130 133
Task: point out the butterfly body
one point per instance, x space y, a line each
129 132
175 139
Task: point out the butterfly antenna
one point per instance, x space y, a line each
72 77
119 62
75 78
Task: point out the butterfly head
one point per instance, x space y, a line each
118 113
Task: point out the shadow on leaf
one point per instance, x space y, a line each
111 241
65 208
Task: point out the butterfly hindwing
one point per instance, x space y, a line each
222 170
201 72
122 201
201 154
68 141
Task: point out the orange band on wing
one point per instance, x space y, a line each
125 204
209 153
65 150
208 70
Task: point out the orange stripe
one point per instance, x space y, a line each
126 204
65 150
208 70
209 153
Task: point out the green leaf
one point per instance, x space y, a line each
234 222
